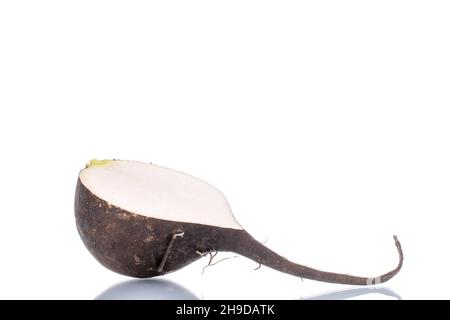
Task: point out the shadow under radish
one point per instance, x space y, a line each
355 292
147 289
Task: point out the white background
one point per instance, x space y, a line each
325 123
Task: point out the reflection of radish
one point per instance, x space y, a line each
144 220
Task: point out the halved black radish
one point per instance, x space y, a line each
144 220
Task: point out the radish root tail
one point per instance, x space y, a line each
263 255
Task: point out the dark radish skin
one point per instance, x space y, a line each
142 246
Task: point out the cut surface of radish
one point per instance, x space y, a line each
158 192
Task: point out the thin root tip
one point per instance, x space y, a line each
397 242
400 251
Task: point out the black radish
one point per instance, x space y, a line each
143 220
